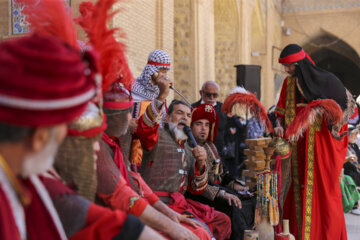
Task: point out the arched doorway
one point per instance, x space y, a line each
338 57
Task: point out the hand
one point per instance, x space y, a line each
149 234
163 84
232 131
232 198
182 233
178 218
239 188
133 125
279 131
200 155
351 158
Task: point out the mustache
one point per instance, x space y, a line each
182 122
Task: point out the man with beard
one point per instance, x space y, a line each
313 108
117 187
120 188
75 165
204 128
209 94
170 167
35 107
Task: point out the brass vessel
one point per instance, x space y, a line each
282 147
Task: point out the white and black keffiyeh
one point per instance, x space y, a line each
143 87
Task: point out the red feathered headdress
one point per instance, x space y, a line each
207 111
327 107
244 98
113 63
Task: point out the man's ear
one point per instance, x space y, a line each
39 139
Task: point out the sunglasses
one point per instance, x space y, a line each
207 94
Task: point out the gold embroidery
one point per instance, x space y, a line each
301 104
310 176
290 114
132 201
20 193
280 110
300 90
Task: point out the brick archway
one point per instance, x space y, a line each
336 56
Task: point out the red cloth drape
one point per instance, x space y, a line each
118 157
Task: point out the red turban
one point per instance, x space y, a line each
208 112
43 82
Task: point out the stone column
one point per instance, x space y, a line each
267 81
204 44
245 8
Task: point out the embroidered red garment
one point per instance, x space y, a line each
218 222
8 229
316 165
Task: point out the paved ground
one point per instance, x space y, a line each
352 226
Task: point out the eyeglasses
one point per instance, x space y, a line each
207 94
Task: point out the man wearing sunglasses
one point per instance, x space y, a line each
209 93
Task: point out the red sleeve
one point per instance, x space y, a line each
124 198
101 223
280 106
149 195
148 126
198 181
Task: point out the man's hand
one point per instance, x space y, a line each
200 155
351 158
279 131
163 84
178 218
239 188
182 233
149 234
232 198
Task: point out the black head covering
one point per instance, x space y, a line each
315 83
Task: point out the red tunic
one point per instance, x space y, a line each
313 203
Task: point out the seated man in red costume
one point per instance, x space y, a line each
226 198
35 108
46 93
170 167
117 186
313 108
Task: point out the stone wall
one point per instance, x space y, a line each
183 49
226 47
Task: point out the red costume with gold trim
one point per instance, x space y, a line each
316 129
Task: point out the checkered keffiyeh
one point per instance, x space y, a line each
143 85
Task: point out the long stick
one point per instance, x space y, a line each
180 95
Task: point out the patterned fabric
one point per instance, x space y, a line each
174 170
255 129
349 193
143 89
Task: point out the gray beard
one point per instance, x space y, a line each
179 133
40 162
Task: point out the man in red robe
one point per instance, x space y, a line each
35 109
313 108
